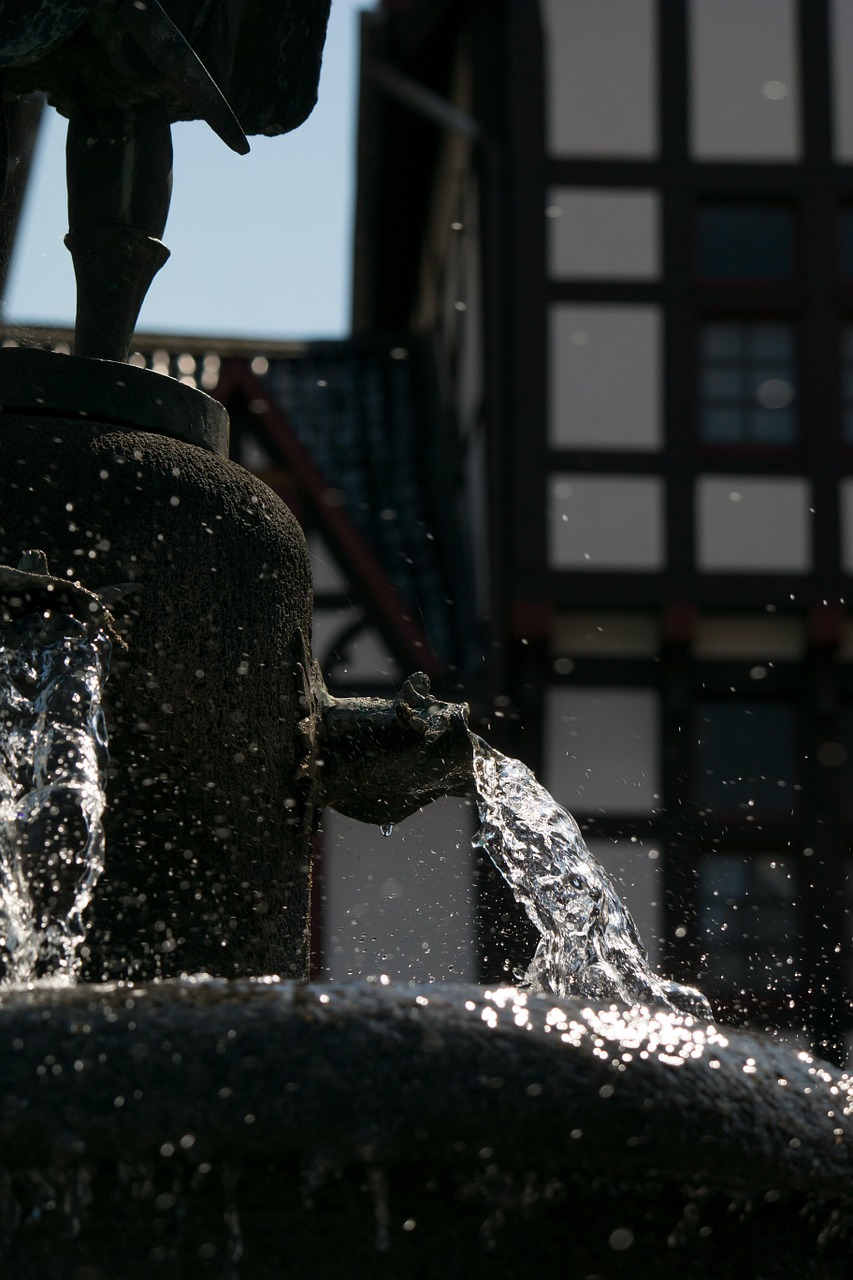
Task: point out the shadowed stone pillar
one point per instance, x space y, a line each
208 828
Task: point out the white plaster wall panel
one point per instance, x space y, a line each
605 366
596 234
253 455
753 525
841 47
327 576
635 870
846 503
327 626
402 904
368 659
602 749
601 67
598 523
744 86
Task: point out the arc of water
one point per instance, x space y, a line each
588 944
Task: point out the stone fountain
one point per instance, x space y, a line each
237 1125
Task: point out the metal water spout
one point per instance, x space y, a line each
382 759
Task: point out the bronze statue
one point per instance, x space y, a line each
122 71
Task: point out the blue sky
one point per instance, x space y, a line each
261 244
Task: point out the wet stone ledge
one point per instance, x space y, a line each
256 1128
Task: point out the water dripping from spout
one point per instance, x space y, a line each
588 945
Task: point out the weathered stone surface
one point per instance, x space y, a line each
208 835
423 1131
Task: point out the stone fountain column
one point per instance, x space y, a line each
209 829
224 744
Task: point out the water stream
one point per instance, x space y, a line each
53 757
588 945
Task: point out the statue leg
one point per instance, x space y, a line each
119 186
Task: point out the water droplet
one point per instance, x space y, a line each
387 828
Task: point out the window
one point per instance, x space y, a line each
744 758
747 383
748 921
752 242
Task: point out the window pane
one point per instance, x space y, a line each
720 341
722 426
772 388
744 757
770 341
766 427
748 921
737 242
748 367
720 383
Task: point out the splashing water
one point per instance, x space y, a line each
53 757
589 945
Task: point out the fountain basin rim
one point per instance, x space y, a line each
264 1069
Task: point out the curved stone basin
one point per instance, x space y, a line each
259 1128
